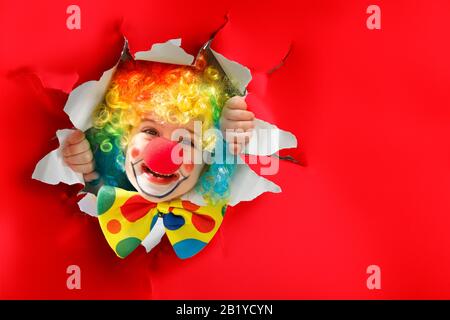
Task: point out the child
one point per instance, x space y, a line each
151 114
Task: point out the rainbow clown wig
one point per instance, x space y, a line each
175 94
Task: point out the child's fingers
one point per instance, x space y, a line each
82 168
238 136
91 176
234 125
237 140
236 102
73 149
238 114
75 137
81 158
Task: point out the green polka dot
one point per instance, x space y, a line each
105 199
126 246
224 209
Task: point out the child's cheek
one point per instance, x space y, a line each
135 152
188 167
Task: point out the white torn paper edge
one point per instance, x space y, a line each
154 237
239 75
250 184
88 204
84 98
246 185
267 139
52 169
168 52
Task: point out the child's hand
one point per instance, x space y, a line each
78 155
236 123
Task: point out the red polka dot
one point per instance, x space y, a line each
189 206
114 226
203 223
135 152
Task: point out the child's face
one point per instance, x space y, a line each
153 185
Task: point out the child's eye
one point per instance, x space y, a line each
151 131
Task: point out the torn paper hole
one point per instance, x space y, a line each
246 184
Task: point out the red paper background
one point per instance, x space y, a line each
371 110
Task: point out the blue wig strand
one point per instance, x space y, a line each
214 183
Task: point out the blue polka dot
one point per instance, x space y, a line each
188 248
173 222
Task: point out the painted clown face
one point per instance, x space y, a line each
159 160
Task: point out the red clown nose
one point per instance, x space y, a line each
161 156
